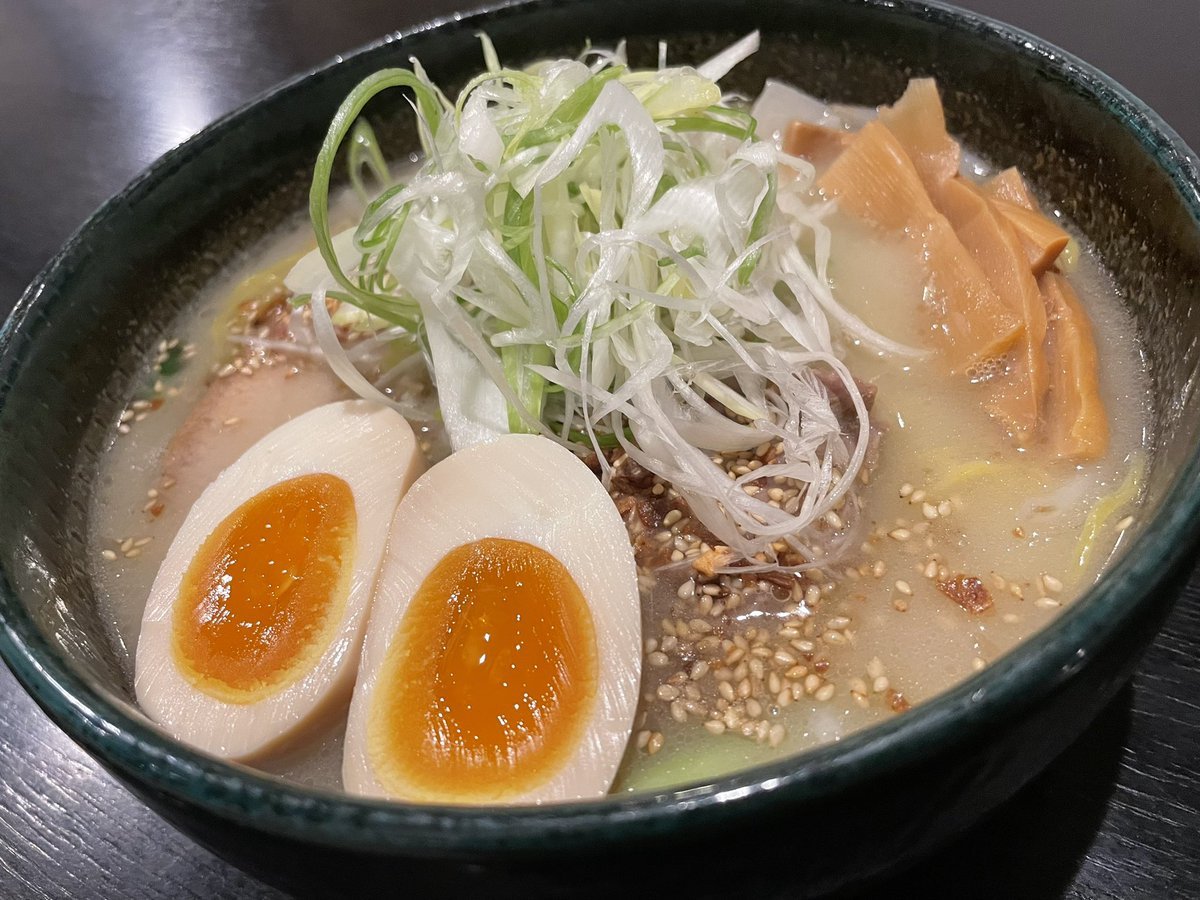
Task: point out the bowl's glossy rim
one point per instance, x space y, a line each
159 765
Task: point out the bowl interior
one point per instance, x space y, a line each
73 351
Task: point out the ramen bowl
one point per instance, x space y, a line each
70 352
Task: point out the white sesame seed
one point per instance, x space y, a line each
880 684
667 692
945 508
783 658
875 667
900 534
825 693
906 490
904 588
776 735
1047 603
1053 585
929 511
1125 523
108 554
672 517
715 726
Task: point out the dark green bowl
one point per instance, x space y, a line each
69 353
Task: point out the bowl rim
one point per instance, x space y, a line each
157 764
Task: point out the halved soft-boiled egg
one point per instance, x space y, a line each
255 622
503 656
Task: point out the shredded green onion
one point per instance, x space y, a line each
602 255
1103 513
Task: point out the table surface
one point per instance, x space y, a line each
92 91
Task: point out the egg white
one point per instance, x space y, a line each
374 451
524 488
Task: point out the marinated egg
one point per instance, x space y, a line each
502 659
252 632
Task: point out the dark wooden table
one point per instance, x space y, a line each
91 91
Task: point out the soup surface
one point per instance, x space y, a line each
959 541
946 496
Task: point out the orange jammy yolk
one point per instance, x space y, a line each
490 680
263 596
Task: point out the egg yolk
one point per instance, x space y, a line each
490 679
264 593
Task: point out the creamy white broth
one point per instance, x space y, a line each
931 429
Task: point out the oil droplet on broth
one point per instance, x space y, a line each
262 596
490 679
